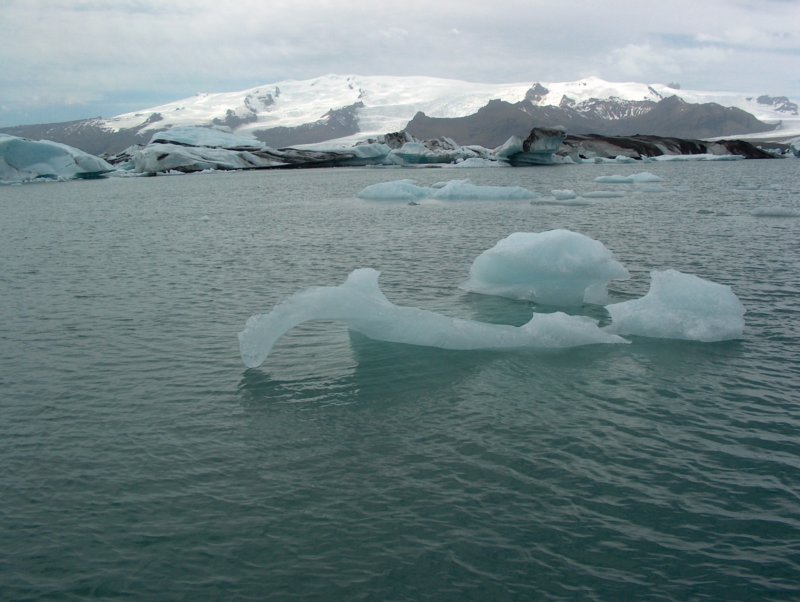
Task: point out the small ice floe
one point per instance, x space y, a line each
453 190
637 178
680 306
557 267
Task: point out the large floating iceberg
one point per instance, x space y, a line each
557 267
362 305
454 190
23 160
680 306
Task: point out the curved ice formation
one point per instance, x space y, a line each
680 306
454 190
360 303
557 267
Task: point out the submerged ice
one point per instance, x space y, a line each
557 267
362 305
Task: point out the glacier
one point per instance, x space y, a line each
556 267
24 160
680 306
362 305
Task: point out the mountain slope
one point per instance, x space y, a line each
494 123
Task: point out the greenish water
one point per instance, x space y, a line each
140 459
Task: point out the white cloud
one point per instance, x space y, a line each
56 52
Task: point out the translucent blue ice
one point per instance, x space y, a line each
557 267
362 305
680 306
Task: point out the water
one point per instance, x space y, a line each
141 459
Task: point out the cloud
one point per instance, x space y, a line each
98 53
643 61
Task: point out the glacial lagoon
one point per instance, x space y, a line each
142 459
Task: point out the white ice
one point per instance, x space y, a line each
409 190
563 194
23 160
680 306
557 267
362 305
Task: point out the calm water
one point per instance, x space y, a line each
140 459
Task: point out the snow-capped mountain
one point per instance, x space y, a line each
386 104
346 108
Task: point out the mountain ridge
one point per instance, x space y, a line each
346 108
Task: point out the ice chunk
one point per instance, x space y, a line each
408 190
23 160
465 190
557 267
563 195
397 190
774 212
361 303
680 306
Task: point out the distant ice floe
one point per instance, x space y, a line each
557 267
637 178
362 305
680 306
453 190
774 212
23 160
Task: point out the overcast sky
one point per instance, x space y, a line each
70 59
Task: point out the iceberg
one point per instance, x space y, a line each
453 190
362 305
557 267
680 306
24 160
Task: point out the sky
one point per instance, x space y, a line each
73 59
